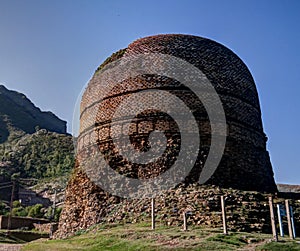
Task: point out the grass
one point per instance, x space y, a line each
284 245
4 238
141 237
231 239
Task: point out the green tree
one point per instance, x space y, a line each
40 155
18 209
36 211
4 209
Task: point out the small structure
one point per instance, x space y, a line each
28 198
20 222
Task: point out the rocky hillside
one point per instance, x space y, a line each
18 113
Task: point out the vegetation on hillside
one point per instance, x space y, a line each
39 155
115 56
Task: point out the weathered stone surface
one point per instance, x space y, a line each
85 204
246 211
245 157
245 164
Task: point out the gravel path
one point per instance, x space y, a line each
10 247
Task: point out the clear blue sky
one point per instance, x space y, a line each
50 49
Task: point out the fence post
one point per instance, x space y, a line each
11 207
292 221
184 221
224 215
275 236
288 215
152 213
280 220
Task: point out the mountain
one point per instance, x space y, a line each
19 114
36 153
33 143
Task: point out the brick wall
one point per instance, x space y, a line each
245 164
245 158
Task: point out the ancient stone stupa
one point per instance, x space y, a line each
245 163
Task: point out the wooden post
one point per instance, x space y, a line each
11 207
184 221
53 215
275 236
153 213
288 215
224 215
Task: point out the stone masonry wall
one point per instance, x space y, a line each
245 164
245 158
